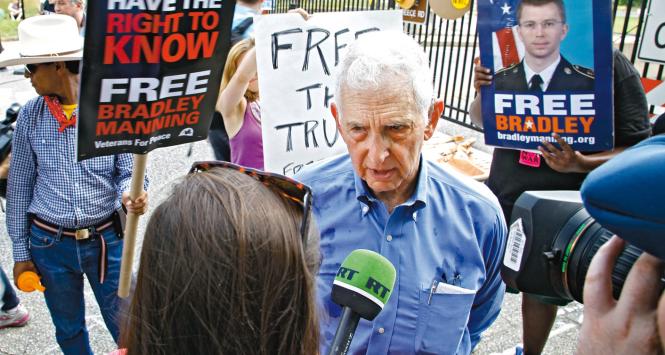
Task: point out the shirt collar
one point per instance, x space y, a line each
546 74
417 200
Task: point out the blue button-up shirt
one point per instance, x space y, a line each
45 179
446 243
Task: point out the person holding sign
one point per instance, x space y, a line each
239 106
238 102
558 167
62 215
443 233
227 267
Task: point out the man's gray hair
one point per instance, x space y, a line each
382 59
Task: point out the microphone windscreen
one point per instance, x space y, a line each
364 283
626 195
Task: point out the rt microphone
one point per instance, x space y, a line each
362 287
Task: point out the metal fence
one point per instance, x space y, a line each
453 44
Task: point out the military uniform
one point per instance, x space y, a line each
566 77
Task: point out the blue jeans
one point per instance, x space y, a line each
9 299
62 261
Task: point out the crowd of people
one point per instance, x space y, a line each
242 261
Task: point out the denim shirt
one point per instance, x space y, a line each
450 234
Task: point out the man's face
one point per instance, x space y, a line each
384 133
541 29
67 7
43 78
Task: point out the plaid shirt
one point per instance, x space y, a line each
45 179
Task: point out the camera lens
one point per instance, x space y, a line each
551 243
579 239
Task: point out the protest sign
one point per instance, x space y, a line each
295 62
552 73
652 42
151 73
150 78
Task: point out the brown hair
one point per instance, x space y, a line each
558 3
223 272
232 63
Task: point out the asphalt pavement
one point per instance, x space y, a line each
165 165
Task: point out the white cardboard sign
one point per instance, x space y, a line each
652 42
296 61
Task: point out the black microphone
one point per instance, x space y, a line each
362 287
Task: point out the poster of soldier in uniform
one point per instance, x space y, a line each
551 62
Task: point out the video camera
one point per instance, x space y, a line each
7 130
555 234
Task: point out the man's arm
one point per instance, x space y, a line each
487 304
482 77
20 187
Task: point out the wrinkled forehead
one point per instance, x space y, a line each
392 96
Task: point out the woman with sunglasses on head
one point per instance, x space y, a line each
227 267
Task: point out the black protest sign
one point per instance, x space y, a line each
151 73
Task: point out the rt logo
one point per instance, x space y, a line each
377 287
346 273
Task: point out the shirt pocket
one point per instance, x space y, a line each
442 318
47 153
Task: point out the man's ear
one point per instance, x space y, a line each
434 114
335 113
59 66
564 30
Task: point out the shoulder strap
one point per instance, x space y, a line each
238 32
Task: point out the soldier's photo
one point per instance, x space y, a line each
541 28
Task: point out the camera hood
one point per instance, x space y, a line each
627 195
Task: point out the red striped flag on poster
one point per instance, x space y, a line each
507 49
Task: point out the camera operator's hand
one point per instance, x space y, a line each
22 266
626 326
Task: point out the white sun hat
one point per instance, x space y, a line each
44 39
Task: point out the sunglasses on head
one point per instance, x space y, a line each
287 187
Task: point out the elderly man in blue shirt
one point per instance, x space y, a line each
444 233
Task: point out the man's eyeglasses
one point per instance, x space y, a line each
287 187
545 25
32 68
